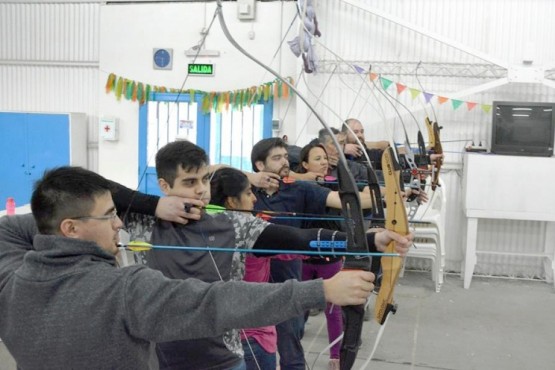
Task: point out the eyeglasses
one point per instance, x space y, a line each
112 216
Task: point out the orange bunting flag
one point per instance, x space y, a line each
400 88
470 105
373 76
442 99
276 89
110 83
134 93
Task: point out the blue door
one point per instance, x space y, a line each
13 159
32 143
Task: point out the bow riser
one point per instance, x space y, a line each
430 129
396 220
438 149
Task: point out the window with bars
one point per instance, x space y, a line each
228 136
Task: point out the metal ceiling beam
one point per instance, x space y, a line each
444 40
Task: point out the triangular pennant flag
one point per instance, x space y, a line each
292 82
124 87
414 93
140 93
470 105
400 88
129 89
285 94
148 89
359 69
119 88
110 82
456 103
486 108
266 93
254 95
232 99
428 96
246 97
226 101
206 103
373 76
214 101
442 99
385 83
220 102
135 91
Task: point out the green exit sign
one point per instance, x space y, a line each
201 69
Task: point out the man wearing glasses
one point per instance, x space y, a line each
65 305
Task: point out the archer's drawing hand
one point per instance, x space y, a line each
178 209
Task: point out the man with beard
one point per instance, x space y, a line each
270 155
352 149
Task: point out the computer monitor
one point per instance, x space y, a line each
522 128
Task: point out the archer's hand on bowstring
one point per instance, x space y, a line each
353 150
435 157
383 237
264 180
306 176
348 288
421 196
178 209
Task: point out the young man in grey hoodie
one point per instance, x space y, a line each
65 304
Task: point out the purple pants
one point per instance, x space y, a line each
334 316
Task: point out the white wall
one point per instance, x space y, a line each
129 33
49 61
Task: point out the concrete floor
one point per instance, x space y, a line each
496 324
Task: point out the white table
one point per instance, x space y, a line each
507 187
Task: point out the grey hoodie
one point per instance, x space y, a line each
65 305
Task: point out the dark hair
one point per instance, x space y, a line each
324 135
182 154
227 182
261 150
65 192
305 152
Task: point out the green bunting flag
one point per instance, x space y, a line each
385 83
456 103
414 93
140 92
